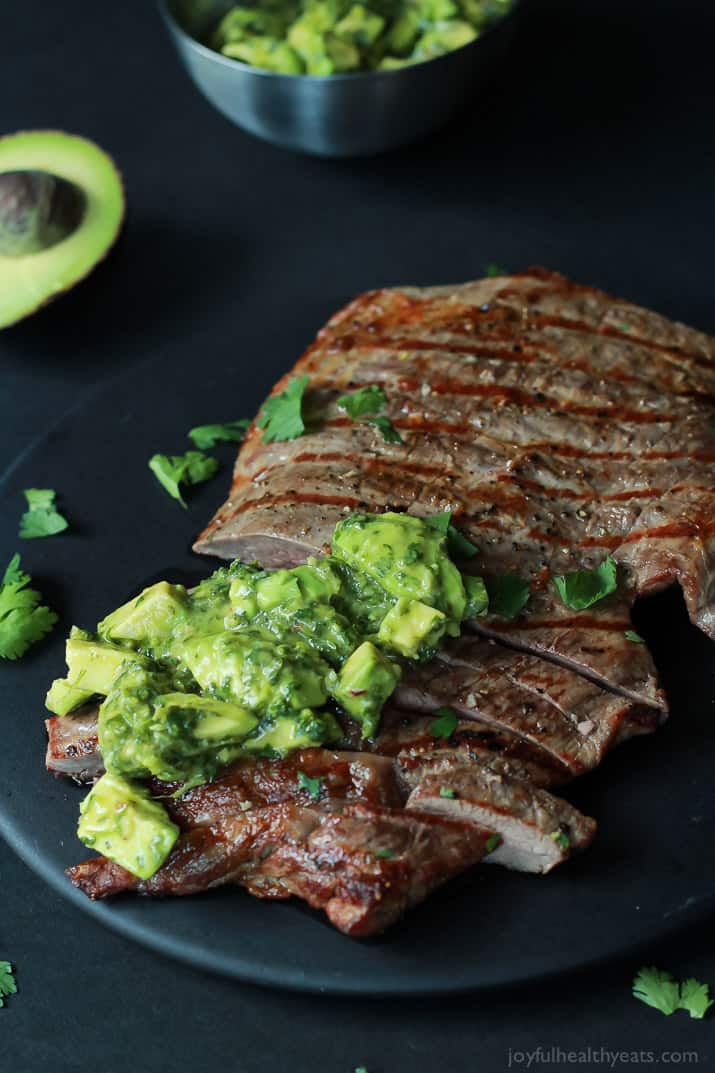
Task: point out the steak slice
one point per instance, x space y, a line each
73 744
537 830
557 423
545 704
364 865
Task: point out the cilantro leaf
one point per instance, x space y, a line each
445 724
281 417
561 839
171 471
477 596
313 786
441 522
366 400
582 588
508 593
495 270
386 427
205 436
492 843
458 543
695 998
7 981
657 989
41 518
636 638
384 854
22 620
447 791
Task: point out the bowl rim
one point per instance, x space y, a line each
227 61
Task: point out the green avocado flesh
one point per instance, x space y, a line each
258 662
327 37
61 209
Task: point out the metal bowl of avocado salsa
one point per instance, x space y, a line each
337 77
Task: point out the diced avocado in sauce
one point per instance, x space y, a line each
364 683
93 666
124 824
252 669
63 697
281 735
254 662
145 618
413 629
405 557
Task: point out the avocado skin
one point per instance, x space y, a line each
57 289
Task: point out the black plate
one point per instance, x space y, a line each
650 870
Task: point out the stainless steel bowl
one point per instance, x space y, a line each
342 115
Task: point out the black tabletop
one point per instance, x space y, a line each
592 153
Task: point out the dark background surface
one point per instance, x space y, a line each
593 153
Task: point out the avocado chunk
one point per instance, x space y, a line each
254 670
412 629
94 666
407 557
443 37
360 27
279 736
147 618
204 719
63 697
364 683
124 824
61 209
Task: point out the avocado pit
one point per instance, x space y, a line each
37 211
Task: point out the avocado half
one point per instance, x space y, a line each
61 209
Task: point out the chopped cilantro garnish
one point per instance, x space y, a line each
281 417
206 436
507 594
561 839
386 427
625 326
41 519
446 791
492 843
445 724
384 854
171 471
477 596
657 989
458 543
360 1069
583 588
660 990
495 270
7 981
366 400
695 998
313 786
636 638
22 620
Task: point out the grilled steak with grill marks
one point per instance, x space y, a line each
557 423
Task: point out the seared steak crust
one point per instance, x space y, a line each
557 423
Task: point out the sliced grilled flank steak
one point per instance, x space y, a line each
412 739
73 744
548 705
558 423
537 830
361 861
594 643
